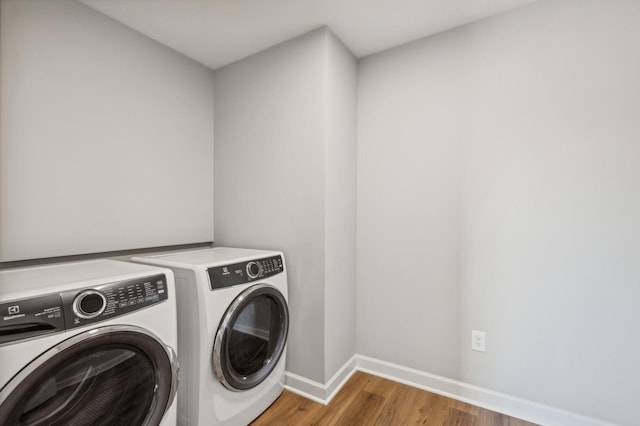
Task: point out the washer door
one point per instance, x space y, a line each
251 337
115 375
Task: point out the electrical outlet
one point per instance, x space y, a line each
478 341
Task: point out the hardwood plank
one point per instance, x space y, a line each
364 408
369 400
463 406
337 409
396 408
457 417
433 410
289 408
491 418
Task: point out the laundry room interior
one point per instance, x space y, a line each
429 171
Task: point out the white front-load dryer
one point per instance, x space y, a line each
88 343
233 321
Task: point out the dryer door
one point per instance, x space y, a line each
251 337
114 375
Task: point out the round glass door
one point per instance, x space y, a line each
116 375
251 337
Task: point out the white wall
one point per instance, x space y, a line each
275 186
340 205
410 105
269 176
507 150
106 140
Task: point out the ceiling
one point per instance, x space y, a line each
218 32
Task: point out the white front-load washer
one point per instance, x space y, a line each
88 343
233 321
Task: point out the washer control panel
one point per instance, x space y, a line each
244 272
109 300
25 318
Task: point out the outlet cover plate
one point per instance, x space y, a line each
478 341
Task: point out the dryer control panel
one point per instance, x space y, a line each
26 318
244 272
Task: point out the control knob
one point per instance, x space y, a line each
89 304
254 270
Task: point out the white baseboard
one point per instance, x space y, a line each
317 391
485 398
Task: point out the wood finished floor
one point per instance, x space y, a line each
370 400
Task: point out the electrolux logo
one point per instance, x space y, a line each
14 313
